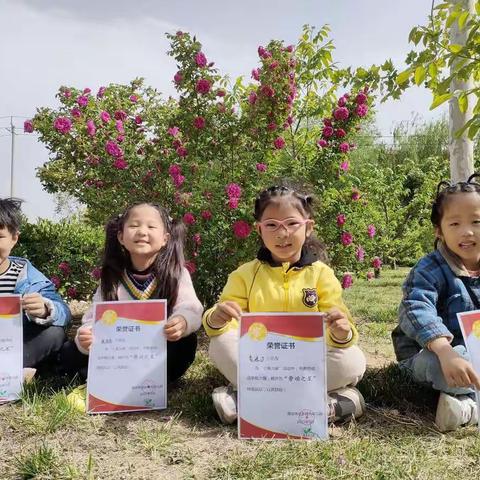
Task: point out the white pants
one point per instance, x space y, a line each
345 366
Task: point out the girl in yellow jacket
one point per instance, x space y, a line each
286 276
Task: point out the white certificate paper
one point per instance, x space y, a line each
127 368
11 348
470 325
282 377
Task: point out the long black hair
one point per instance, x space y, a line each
167 266
304 203
445 190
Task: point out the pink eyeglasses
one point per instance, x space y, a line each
290 224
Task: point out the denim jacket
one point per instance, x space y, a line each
433 293
30 280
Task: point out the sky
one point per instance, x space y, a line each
48 43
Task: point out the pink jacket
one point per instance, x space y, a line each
187 305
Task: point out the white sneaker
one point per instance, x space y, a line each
345 404
225 403
452 412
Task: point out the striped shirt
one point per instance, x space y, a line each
9 278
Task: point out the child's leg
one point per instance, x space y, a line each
425 368
72 361
223 352
345 366
180 355
40 342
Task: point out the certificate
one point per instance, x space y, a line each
11 348
127 366
470 325
282 377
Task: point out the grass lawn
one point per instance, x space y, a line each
42 438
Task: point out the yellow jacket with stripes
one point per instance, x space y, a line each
262 286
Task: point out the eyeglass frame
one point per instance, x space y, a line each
281 223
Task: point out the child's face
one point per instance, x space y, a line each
7 242
460 227
285 241
143 235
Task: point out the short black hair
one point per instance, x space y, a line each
11 214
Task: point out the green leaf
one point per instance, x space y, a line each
463 102
462 19
472 131
455 48
403 76
438 100
420 74
477 8
432 70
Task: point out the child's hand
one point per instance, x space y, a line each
457 371
34 304
224 313
85 337
338 324
175 328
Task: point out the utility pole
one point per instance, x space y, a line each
461 148
12 158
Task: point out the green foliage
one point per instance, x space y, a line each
66 252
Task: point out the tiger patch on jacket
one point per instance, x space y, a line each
310 297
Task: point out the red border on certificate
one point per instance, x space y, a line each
133 311
10 305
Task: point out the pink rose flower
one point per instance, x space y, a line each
82 101
201 60
182 151
207 215
261 167
62 124
361 98
56 281
360 254
120 164
241 229
272 126
91 128
341 219
346 239
67 93
203 86
178 180
105 116
138 119
371 230
355 194
199 123
344 147
120 115
101 92
252 98
113 149
322 143
279 143
261 51
133 98
120 138
178 78
65 268
266 54
28 126
119 126
72 292
268 91
76 112
273 65
327 131
340 133
174 169
327 122
173 131
191 267
341 113
370 276
347 281
96 273
189 218
344 166
361 110
197 239
233 203
342 101
256 74
376 262
290 48
87 90
233 190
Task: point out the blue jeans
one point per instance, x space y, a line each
424 368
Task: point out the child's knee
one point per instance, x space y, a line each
345 366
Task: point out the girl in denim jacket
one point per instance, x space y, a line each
428 341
